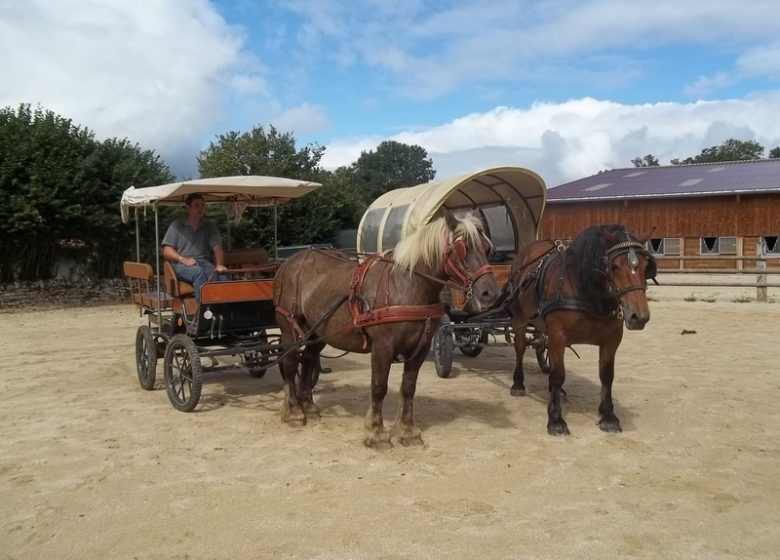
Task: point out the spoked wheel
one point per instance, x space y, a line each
474 343
443 345
542 353
145 357
183 373
259 359
543 359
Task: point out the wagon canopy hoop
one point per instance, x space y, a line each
518 191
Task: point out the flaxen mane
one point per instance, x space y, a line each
427 244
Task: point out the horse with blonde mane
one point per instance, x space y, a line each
388 305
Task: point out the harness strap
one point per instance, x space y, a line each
299 334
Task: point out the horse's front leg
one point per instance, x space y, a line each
381 359
310 360
292 413
404 427
556 425
608 421
518 378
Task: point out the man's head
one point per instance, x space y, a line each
196 204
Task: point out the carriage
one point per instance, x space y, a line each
235 319
509 200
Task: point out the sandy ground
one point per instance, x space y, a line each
92 466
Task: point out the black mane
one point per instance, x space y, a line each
585 261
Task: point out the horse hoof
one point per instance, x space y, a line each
293 417
411 441
410 437
311 411
517 391
612 426
378 439
560 429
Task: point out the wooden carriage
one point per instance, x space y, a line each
234 318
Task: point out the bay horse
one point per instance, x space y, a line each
582 293
388 305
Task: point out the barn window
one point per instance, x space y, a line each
771 244
719 245
665 246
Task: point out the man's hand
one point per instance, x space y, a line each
188 261
220 268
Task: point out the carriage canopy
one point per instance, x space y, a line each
241 191
508 199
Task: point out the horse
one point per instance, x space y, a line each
388 305
582 293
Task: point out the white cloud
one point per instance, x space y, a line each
303 120
761 61
566 141
156 72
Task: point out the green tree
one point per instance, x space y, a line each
774 153
314 218
731 150
59 194
648 161
391 166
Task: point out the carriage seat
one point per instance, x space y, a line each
256 260
143 288
181 290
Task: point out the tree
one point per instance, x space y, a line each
314 218
59 194
731 150
391 166
774 153
648 161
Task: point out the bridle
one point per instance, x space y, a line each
455 266
633 249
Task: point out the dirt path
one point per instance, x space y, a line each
92 466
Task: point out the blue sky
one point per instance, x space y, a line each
566 88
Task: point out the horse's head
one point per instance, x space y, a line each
466 264
628 268
455 249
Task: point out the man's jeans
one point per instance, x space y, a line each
198 275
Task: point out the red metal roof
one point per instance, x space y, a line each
702 179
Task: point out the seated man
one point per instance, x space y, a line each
189 244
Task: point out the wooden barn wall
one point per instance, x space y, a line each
753 215
746 217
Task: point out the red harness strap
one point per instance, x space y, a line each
396 313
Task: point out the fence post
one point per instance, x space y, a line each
761 293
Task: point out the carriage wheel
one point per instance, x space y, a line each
443 345
543 358
183 373
471 348
145 357
260 357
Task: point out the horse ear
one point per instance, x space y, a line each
643 239
452 221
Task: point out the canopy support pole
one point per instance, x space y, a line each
276 232
137 237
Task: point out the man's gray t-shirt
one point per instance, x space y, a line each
192 243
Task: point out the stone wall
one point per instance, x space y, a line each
62 293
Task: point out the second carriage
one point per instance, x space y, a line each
509 200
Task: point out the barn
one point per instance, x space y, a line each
715 212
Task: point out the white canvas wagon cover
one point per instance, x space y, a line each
241 191
509 199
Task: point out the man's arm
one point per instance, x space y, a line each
173 255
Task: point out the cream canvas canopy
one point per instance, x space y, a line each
241 191
509 199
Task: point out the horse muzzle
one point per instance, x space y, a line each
635 321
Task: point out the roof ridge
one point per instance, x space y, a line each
697 164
